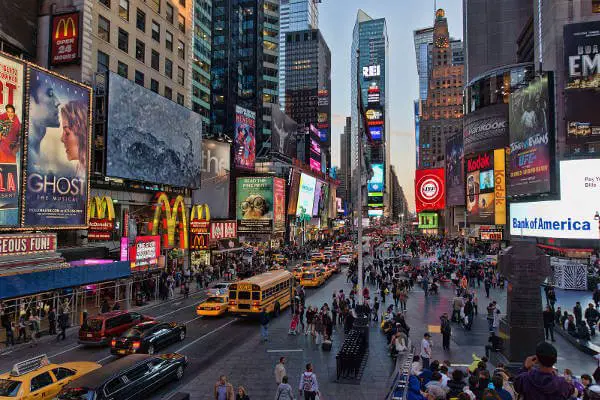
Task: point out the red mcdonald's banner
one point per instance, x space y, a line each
64 39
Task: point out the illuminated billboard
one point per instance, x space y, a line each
306 194
428 220
245 139
376 132
486 188
376 183
454 171
430 189
254 205
316 202
64 38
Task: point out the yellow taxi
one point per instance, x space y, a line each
280 259
307 264
316 256
312 278
213 306
37 378
325 271
297 272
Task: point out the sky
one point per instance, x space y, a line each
336 21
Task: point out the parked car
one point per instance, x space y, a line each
99 330
133 377
148 337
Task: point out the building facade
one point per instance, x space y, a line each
345 171
201 60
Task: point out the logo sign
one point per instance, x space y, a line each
373 114
490 233
200 226
144 253
430 189
428 220
486 128
371 71
170 220
499 187
64 41
483 161
102 218
223 230
124 248
23 244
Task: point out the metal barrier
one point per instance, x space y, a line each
398 388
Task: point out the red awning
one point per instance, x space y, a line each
564 249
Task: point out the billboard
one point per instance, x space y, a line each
223 230
430 189
64 39
215 170
255 204
278 205
374 214
376 132
486 128
141 143
428 220
283 132
531 138
306 195
376 183
245 138
455 189
12 85
293 193
582 89
143 255
571 217
316 201
58 152
486 188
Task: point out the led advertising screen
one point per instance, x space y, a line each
306 195
283 132
314 149
375 200
12 84
245 139
376 132
293 193
376 183
428 220
486 181
143 255
215 178
571 217
58 152
430 189
455 192
278 205
486 188
531 138
318 194
141 143
374 214
255 204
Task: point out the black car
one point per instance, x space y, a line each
147 337
129 378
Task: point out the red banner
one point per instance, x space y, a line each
430 189
145 253
35 243
223 230
64 39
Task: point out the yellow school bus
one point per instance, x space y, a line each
271 290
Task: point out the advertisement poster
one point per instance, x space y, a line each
430 192
143 255
214 188
375 184
571 217
428 220
455 195
531 139
317 200
223 230
480 188
324 201
58 149
486 128
278 205
306 195
245 138
293 193
255 204
11 132
283 132
64 40
140 141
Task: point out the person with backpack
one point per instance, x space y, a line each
308 383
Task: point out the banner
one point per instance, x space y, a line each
278 205
245 138
11 123
306 195
214 187
64 39
293 193
255 204
430 191
531 138
455 186
27 244
58 150
143 255
428 220
480 188
102 218
317 199
283 132
499 187
223 230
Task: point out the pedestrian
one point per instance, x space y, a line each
223 389
63 321
591 316
242 394
284 390
402 297
10 333
376 310
280 370
446 331
487 285
116 306
308 383
264 324
104 307
490 316
426 350
578 313
51 322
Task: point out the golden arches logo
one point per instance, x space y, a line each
65 23
171 219
101 208
199 211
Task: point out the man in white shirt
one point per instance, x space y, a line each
280 370
426 350
308 384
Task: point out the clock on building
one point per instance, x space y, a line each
441 41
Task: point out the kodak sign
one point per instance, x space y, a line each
102 218
64 40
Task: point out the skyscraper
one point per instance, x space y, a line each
201 44
345 188
423 38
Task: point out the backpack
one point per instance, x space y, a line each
308 382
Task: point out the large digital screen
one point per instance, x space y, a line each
293 192
278 205
215 178
58 152
318 194
531 138
12 84
283 132
151 138
376 132
455 195
306 194
486 181
254 205
571 217
486 188
430 189
375 184
245 139
374 214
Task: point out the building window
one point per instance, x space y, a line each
154 85
180 76
181 49
182 3
170 13
155 60
168 93
123 70
105 2
140 50
140 20
180 99
181 22
103 28
169 68
139 78
169 40
156 31
103 61
154 5
123 40
124 9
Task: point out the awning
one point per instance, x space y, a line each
227 250
564 249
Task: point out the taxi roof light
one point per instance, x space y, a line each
27 366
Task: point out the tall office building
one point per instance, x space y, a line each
245 48
369 74
423 39
201 44
345 188
295 15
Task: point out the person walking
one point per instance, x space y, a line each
548 316
51 322
284 390
280 371
578 313
308 383
63 321
402 297
242 394
426 350
10 333
487 285
376 309
264 325
223 389
446 330
591 316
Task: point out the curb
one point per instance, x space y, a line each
584 346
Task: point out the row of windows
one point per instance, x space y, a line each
155 5
272 291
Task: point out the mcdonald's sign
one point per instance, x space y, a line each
200 226
64 39
102 218
170 221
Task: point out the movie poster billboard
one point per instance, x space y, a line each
214 188
531 138
278 205
245 138
455 190
283 133
11 131
58 151
255 204
306 195
430 189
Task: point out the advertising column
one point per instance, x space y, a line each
430 195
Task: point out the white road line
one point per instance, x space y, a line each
179 350
285 351
174 311
162 303
105 358
65 351
192 320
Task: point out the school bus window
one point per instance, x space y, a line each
244 296
232 295
255 295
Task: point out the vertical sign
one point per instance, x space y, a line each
499 187
245 138
279 205
64 39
